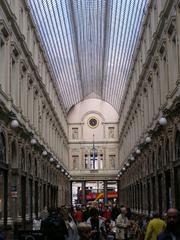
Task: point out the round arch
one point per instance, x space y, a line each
92 112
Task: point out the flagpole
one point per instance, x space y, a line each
93 153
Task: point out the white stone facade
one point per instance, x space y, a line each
29 181
81 140
150 182
154 79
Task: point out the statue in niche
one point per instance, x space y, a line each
74 133
112 161
111 132
75 160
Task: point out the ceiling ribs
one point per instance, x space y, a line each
89 45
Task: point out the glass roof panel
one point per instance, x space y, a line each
90 44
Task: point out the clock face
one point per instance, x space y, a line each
93 122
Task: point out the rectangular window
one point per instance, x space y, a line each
2 63
28 35
94 161
21 19
13 83
14 75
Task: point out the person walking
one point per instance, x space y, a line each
154 227
172 230
72 233
95 221
44 213
84 231
122 225
54 227
1 234
78 215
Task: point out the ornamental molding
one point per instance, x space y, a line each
93 112
4 29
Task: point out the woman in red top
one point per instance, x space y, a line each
78 215
106 213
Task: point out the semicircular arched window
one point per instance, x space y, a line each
177 146
2 148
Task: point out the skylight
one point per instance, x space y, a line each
90 44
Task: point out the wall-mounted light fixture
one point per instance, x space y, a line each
51 159
58 166
148 139
124 169
62 170
138 151
33 141
44 153
163 121
127 164
132 158
14 124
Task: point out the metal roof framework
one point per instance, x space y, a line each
90 45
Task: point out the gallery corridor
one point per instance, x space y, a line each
89 106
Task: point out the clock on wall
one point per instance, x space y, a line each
93 122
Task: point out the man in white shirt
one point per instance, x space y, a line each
122 225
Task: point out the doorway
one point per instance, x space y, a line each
3 197
23 198
168 190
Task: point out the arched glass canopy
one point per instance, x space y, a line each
90 45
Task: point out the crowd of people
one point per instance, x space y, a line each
106 223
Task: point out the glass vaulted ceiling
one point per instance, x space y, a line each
90 44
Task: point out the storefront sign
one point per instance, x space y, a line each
13 191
